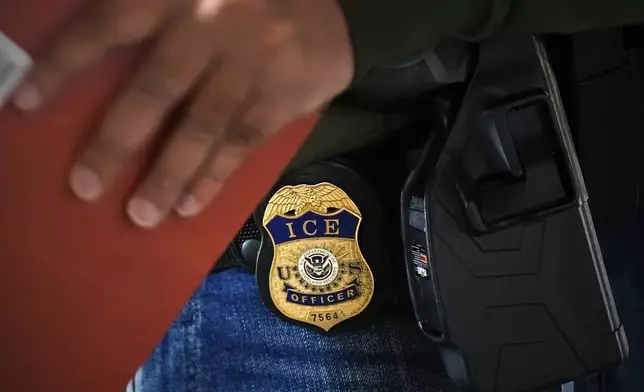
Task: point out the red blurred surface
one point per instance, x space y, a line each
84 296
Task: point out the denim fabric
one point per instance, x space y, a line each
623 250
226 340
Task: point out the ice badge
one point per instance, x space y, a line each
318 274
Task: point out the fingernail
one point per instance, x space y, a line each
207 9
188 207
85 183
26 97
143 213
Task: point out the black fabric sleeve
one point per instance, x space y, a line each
385 30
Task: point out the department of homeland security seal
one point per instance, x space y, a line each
318 274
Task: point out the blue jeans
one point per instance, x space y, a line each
226 340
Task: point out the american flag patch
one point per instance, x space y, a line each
14 64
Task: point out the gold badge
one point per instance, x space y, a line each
318 274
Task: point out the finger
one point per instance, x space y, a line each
242 137
166 76
190 146
84 41
186 152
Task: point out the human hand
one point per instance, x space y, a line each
246 67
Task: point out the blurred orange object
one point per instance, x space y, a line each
84 295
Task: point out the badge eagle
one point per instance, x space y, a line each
318 274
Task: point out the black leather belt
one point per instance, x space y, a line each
242 251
